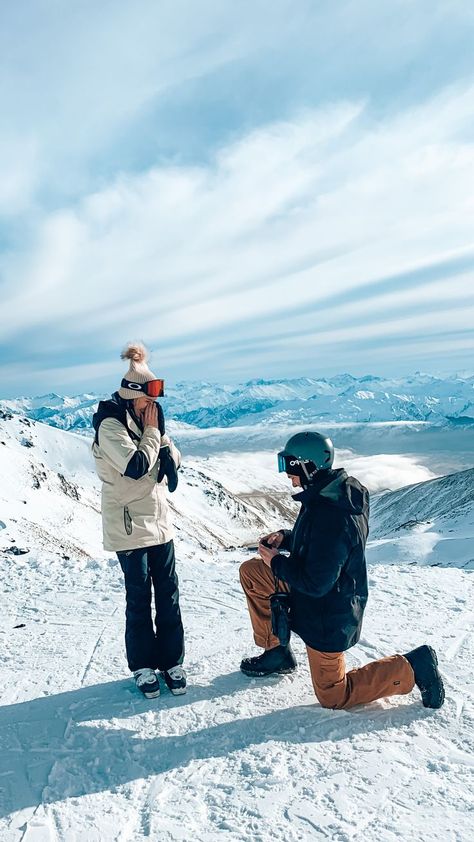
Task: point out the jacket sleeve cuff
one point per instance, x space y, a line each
278 564
152 432
137 466
285 544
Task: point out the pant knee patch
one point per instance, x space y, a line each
332 696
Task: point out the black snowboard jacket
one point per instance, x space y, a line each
326 568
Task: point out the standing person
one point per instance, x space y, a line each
326 578
136 461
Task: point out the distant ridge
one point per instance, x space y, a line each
444 497
430 523
342 398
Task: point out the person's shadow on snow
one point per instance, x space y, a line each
49 753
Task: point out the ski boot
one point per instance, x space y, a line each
279 660
175 679
147 682
424 664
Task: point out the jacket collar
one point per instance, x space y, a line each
128 406
312 493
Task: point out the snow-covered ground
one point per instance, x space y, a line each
431 523
84 758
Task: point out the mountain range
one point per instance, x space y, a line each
343 398
51 498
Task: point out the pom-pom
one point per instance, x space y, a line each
135 351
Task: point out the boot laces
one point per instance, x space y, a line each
145 676
176 673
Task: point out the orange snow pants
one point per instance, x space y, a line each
334 687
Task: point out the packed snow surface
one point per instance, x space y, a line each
84 758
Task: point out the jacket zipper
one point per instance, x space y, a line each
127 520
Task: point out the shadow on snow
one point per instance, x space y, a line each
49 753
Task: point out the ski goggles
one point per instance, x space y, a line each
287 463
154 388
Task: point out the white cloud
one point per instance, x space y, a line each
384 472
323 183
206 260
73 84
18 174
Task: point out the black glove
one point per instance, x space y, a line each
168 468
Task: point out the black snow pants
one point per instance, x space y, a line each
143 568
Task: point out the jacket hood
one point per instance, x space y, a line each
337 489
112 408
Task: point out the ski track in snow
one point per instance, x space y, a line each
84 757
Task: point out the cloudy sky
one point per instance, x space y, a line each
255 188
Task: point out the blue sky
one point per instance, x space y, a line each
254 189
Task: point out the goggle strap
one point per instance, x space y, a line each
305 471
134 387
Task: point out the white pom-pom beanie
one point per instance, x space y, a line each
138 371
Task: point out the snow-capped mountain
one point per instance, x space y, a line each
343 398
225 498
448 499
429 523
67 413
50 495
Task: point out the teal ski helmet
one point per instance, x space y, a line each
306 453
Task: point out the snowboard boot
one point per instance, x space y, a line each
424 664
147 682
279 660
175 679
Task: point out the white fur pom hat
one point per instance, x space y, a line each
138 371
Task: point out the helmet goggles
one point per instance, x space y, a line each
153 388
283 462
289 464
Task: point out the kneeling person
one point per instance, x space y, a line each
325 574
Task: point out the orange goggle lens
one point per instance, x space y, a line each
155 388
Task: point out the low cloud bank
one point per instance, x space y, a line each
244 473
384 472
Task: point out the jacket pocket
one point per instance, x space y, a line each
127 520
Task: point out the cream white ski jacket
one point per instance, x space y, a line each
135 512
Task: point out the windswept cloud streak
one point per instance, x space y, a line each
301 246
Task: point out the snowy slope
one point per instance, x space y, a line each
51 493
428 523
84 758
